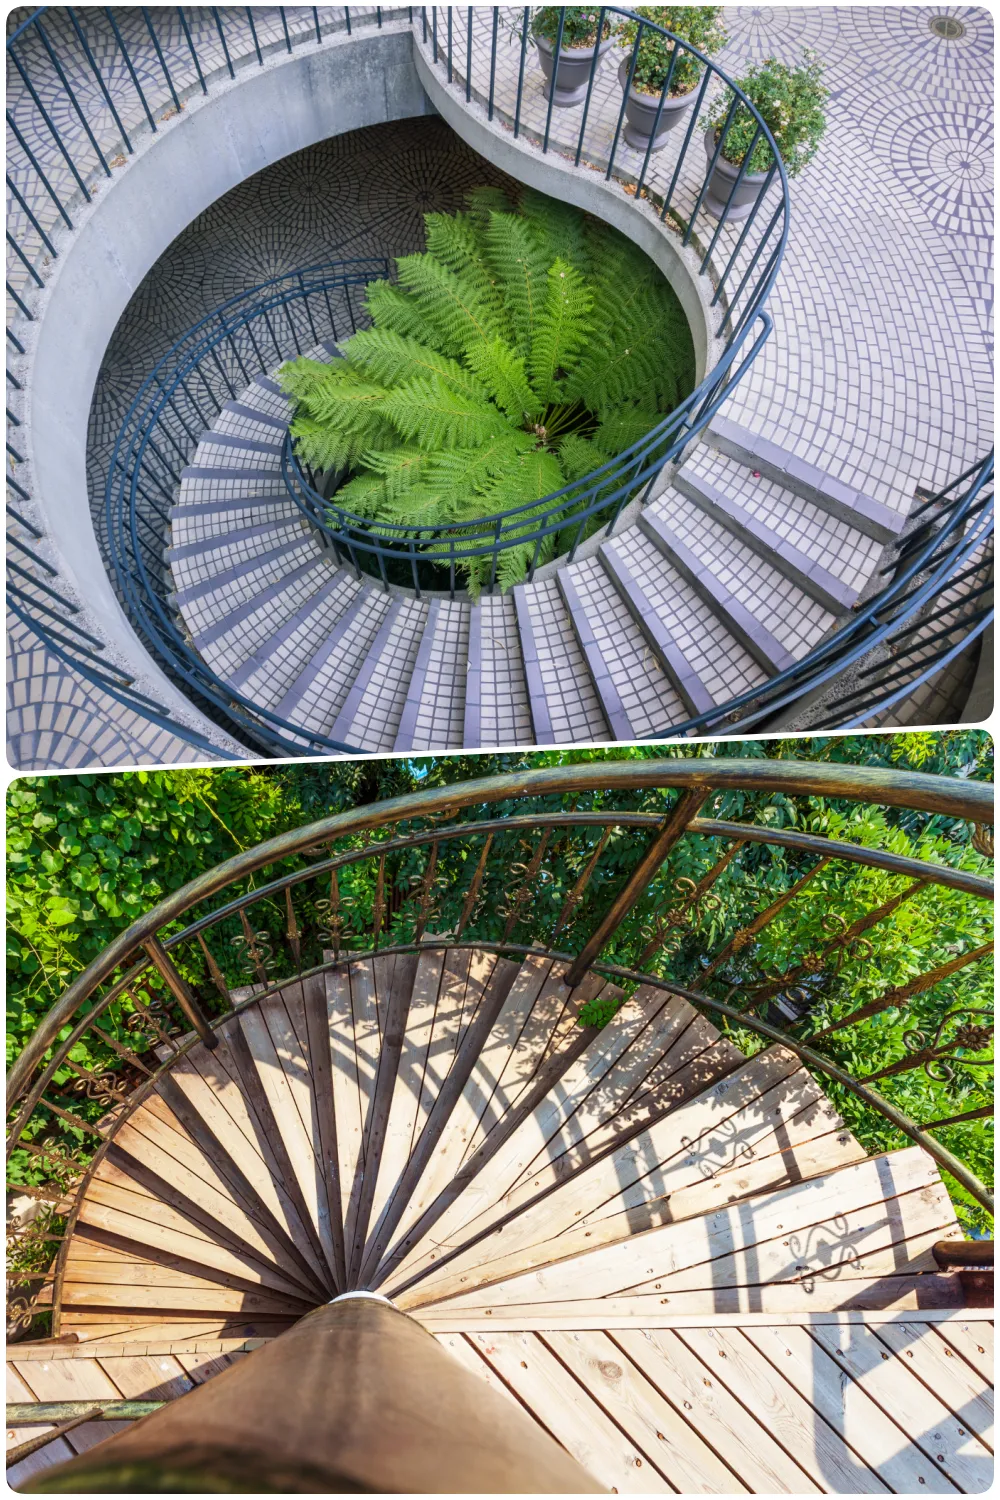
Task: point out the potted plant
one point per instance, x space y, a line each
577 46
791 102
656 63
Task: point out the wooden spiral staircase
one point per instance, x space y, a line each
587 1219
675 1260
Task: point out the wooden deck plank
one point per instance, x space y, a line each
56 1452
320 1067
394 1013
847 1407
211 1082
410 1076
73 1380
681 1377
462 1349
966 1395
660 1175
144 1377
367 1042
783 1411
688 1255
344 1081
284 1016
948 1444
572 1416
974 1342
652 1424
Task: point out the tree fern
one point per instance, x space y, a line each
527 346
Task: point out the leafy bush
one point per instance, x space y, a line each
579 27
790 101
701 25
524 349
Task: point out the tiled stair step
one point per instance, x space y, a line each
259 619
219 452
237 419
266 672
201 483
200 522
198 562
636 694
265 396
316 696
205 603
565 707
433 715
497 711
370 716
774 619
805 479
808 574
708 665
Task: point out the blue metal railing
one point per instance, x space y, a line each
210 364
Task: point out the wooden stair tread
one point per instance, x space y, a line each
438 1125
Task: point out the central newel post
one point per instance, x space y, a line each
355 1397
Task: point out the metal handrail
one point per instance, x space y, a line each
210 363
389 836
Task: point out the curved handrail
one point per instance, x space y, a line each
967 800
218 355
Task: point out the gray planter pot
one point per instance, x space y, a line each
640 114
573 72
721 185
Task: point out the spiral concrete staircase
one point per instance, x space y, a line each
729 575
677 1260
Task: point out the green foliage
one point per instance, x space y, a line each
791 103
579 26
701 25
522 341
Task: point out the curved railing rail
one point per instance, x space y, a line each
210 364
62 145
662 872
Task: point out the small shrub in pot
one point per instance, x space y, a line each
576 52
702 27
790 100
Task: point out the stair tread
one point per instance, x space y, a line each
369 718
492 1157
780 608
565 706
199 562
203 605
264 671
315 697
497 710
637 695
433 716
721 663
832 544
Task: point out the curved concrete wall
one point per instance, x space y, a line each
216 142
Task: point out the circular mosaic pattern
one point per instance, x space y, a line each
944 158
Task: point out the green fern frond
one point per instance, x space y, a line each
393 310
560 331
401 469
559 228
365 495
484 201
392 360
579 456
424 411
463 476
501 372
622 426
455 313
522 276
456 241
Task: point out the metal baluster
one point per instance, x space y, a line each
309 316
742 239
590 86
22 306
520 70
555 75
217 976
347 13
32 220
664 92
180 990
696 111
434 33
46 117
222 39
12 127
257 45
160 56
108 11
472 895
493 61
468 56
449 44
720 144
81 36
191 46
625 93
284 24
744 166
72 96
